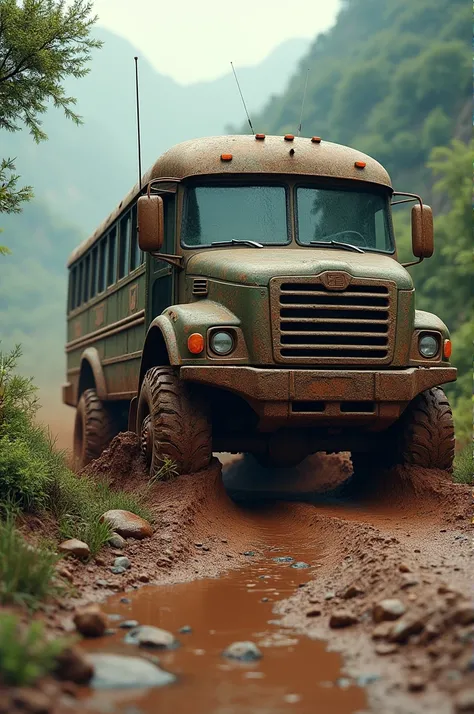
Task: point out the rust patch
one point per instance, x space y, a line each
133 297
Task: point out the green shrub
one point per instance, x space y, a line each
464 466
27 573
25 653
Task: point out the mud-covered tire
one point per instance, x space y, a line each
94 428
426 432
173 423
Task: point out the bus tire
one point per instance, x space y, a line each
94 428
173 424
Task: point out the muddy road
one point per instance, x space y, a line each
305 579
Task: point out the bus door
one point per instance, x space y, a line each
161 282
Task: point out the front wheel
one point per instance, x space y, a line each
173 424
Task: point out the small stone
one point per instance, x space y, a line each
382 630
113 671
100 561
122 562
155 637
117 570
127 524
352 591
75 547
283 559
416 684
342 618
198 544
243 651
464 701
409 581
406 627
386 648
389 609
314 612
116 541
129 624
249 553
264 599
144 578
330 595
32 701
365 679
463 614
403 568
300 565
206 548
125 600
185 630
343 683
90 621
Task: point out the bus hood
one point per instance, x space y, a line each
256 266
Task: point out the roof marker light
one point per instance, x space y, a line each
226 157
289 137
360 164
261 137
316 139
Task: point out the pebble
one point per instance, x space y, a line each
155 637
365 679
352 591
144 578
389 609
408 581
185 630
407 626
129 624
314 612
283 559
403 568
90 621
342 618
75 547
300 565
125 600
264 599
122 562
116 541
464 701
72 665
463 614
102 583
243 651
113 671
416 684
250 553
127 524
330 595
343 683
117 570
382 630
386 648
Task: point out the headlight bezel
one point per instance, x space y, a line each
436 336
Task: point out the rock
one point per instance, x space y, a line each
300 565
464 701
147 636
264 599
125 600
365 679
409 581
330 595
382 630
406 627
129 624
389 609
102 583
403 568
243 651
72 665
121 672
116 541
75 547
90 621
416 684
185 630
32 701
143 578
343 682
352 591
122 562
283 559
463 614
250 553
314 612
342 618
117 570
127 524
386 648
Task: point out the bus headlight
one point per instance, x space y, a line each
222 343
428 345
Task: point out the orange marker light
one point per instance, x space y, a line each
289 137
316 139
260 136
447 349
195 343
360 164
226 157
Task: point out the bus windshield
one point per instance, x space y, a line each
220 214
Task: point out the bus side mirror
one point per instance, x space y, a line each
422 231
150 223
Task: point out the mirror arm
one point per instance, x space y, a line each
413 262
176 260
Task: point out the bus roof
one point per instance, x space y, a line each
248 154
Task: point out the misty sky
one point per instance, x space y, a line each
193 40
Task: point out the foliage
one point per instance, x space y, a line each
464 466
167 471
27 573
25 652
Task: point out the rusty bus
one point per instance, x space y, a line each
249 299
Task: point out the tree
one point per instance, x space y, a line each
42 42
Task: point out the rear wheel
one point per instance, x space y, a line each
173 424
94 428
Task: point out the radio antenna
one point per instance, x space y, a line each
138 126
303 101
242 97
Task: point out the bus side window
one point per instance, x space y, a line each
72 288
102 265
112 257
87 272
79 284
124 250
93 290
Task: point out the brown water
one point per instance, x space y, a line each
295 674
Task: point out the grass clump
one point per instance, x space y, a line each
25 653
464 466
167 471
27 573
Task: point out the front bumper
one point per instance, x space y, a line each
325 397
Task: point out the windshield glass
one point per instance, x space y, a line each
216 214
358 218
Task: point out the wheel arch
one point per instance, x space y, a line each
91 375
160 348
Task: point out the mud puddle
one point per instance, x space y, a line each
295 674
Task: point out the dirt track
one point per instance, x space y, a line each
409 542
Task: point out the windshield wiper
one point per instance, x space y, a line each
238 241
336 244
